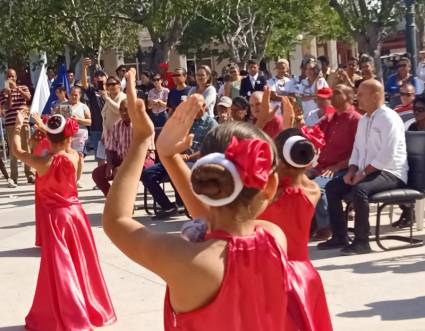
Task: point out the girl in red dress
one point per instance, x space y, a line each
40 146
236 279
293 211
71 294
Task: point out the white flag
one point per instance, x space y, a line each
42 92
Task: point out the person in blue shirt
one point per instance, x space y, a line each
401 77
180 92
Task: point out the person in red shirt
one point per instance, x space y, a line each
340 130
265 117
323 99
407 96
167 77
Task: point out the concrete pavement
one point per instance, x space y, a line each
374 292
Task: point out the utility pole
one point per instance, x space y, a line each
411 33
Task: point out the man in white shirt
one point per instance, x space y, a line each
378 163
279 84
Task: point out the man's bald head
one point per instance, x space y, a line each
255 102
371 95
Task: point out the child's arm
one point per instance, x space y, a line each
163 254
174 140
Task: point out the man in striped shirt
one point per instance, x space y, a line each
14 99
117 145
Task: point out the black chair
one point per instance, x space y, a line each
414 191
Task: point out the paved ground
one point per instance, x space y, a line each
379 291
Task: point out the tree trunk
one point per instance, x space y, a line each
371 44
160 53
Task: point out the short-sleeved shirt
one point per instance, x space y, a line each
96 103
199 129
77 110
162 95
175 97
17 104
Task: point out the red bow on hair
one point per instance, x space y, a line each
45 119
315 135
253 160
71 127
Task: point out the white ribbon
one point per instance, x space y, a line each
219 158
61 126
287 147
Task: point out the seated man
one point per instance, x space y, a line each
153 176
264 116
378 163
339 129
116 150
405 109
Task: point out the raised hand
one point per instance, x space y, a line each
288 113
266 114
87 62
174 138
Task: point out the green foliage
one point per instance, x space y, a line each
33 26
256 29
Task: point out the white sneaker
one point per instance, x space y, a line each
11 183
79 185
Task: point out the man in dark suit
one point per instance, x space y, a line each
253 82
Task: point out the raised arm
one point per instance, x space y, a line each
266 114
174 140
147 248
86 65
40 164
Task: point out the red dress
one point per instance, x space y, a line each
71 294
253 294
308 310
41 149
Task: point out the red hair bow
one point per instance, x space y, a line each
45 119
71 127
315 135
253 160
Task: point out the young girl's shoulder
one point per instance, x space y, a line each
311 189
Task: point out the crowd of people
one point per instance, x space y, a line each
263 165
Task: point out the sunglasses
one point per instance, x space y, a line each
419 109
178 75
406 94
156 79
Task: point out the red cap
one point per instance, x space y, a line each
325 93
163 65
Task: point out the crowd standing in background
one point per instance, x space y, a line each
214 137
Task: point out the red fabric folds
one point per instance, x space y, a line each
253 160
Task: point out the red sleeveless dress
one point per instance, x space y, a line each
42 149
307 307
253 294
71 294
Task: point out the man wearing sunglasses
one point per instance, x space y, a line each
407 96
180 92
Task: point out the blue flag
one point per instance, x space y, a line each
61 80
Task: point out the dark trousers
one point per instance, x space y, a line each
159 119
152 179
336 190
99 177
